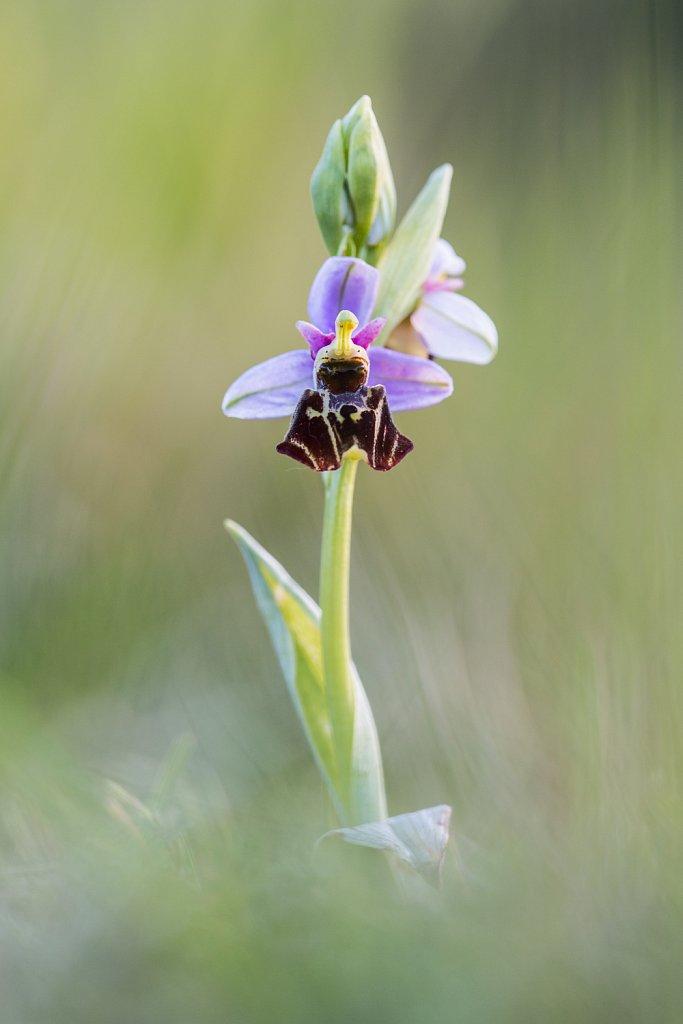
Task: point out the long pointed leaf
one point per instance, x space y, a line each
293 621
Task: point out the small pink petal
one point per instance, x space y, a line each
366 335
314 338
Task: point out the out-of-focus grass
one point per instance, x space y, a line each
517 593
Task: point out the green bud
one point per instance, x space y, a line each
327 189
352 186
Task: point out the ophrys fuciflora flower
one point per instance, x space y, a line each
340 396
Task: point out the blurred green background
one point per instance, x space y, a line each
516 585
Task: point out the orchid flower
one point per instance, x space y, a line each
446 324
337 393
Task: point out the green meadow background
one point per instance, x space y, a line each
517 595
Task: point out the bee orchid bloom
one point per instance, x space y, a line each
448 325
338 394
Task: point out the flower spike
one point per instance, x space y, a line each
340 392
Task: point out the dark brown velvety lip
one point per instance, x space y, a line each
341 376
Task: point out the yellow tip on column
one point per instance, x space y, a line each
345 325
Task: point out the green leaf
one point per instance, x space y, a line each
293 621
407 258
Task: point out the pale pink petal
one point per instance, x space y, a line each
445 261
343 282
453 327
410 382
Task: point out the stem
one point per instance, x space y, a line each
334 604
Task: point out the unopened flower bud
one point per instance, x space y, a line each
352 186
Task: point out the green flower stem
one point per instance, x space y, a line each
334 604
